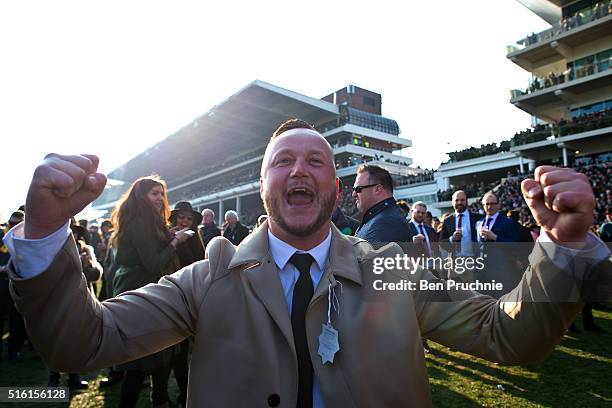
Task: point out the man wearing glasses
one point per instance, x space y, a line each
498 235
495 226
383 221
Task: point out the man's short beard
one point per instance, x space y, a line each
271 204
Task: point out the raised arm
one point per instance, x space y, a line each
526 324
69 328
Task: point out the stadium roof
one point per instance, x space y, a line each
244 120
548 10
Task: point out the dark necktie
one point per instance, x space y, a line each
459 225
422 231
302 294
489 222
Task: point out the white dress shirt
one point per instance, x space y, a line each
289 274
466 234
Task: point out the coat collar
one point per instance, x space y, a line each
342 258
254 255
377 208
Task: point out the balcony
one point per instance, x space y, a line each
548 98
558 42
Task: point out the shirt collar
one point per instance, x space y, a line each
493 217
416 224
282 251
465 212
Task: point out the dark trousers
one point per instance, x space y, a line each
587 315
180 366
17 331
132 384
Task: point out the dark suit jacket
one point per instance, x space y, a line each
505 228
431 234
237 234
448 228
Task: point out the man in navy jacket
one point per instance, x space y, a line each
495 227
383 221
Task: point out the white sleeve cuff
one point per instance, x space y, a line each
31 257
594 249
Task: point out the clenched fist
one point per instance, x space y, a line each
561 201
61 187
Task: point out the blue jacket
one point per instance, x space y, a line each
505 228
383 223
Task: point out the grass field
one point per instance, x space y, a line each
577 374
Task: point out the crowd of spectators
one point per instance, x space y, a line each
424 177
598 171
597 11
578 124
221 182
471 190
355 160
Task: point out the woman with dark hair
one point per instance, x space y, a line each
190 251
144 250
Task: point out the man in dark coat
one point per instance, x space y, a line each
234 230
383 220
422 235
459 230
499 240
209 228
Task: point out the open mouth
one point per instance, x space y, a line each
300 196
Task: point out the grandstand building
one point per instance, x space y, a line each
568 95
216 159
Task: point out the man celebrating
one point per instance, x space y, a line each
264 331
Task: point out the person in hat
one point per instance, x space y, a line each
183 216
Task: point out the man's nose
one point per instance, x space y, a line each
299 167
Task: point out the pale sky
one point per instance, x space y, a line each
112 78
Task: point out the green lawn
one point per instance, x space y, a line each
577 374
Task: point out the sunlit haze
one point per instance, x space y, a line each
113 78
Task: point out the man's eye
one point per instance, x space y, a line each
316 161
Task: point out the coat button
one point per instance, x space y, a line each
273 400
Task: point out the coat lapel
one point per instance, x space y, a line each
261 271
262 274
342 262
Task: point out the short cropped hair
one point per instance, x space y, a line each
420 204
378 175
294 123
